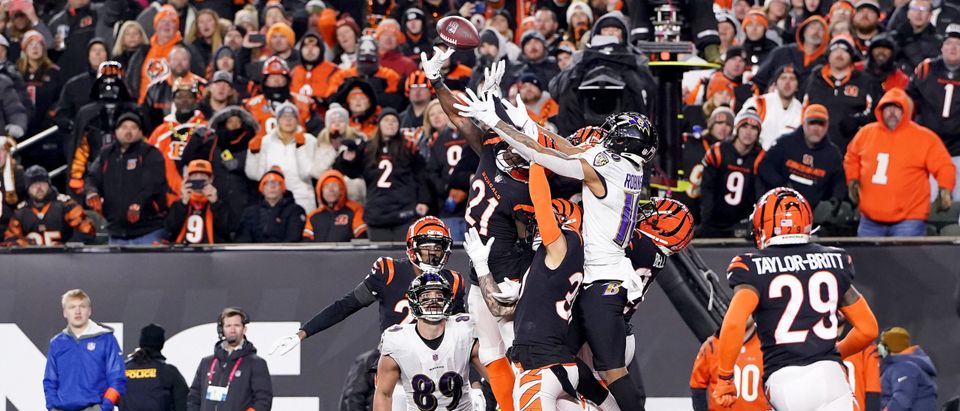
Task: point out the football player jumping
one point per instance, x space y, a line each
793 288
612 178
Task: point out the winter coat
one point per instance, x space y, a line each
250 387
340 222
125 178
908 381
263 223
816 172
295 159
96 20
12 112
793 55
326 155
913 153
152 384
82 369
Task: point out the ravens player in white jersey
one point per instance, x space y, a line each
430 357
612 175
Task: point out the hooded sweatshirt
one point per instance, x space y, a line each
83 369
242 371
794 55
907 381
895 164
311 79
340 222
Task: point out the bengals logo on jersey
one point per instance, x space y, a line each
851 91
156 68
342 219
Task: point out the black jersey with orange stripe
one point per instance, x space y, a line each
389 280
728 187
496 203
800 287
543 314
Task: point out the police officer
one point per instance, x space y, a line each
152 384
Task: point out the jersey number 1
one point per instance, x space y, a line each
814 297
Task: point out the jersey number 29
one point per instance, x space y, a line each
813 297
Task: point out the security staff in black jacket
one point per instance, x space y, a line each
127 184
234 378
806 161
152 384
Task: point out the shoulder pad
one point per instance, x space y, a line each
395 328
461 318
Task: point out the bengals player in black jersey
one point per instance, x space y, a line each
428 248
47 218
794 288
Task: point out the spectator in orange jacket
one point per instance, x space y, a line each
310 78
748 372
888 164
337 219
173 134
150 63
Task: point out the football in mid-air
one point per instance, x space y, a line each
458 32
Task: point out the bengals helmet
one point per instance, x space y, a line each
632 136
568 214
432 309
275 65
425 231
668 223
781 216
587 137
511 163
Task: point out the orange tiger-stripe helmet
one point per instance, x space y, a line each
429 230
782 214
668 223
568 214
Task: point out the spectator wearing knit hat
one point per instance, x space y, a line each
389 38
85 21
149 64
731 33
362 102
338 137
541 107
866 23
779 109
536 60
219 94
806 161
880 63
280 42
756 43
418 37
729 79
152 383
311 77
186 14
728 188
907 374
848 95
579 18
276 218
287 146
348 41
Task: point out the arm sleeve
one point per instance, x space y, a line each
293 232
180 390
351 302
261 385
699 398
252 168
542 207
193 398
865 328
305 158
116 370
567 167
851 160
733 328
940 164
51 380
94 177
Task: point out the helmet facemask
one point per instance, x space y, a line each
430 298
513 165
430 252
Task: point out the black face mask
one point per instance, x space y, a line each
228 136
183 117
882 69
276 93
367 68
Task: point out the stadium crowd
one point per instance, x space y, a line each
215 121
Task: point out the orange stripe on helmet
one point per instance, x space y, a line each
669 226
781 211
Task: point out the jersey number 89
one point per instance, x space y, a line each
451 385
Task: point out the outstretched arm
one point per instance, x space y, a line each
865 329
550 232
467 129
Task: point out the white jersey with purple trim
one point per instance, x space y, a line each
433 379
608 221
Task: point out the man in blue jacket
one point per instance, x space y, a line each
906 374
85 370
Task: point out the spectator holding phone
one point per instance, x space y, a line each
199 218
338 137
